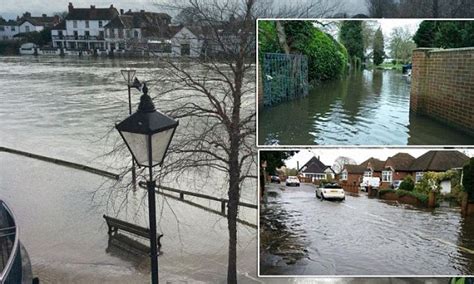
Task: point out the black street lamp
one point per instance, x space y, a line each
147 134
129 74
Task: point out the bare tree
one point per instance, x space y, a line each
213 96
340 162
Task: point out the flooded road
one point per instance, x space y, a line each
301 235
364 108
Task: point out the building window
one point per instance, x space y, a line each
112 33
101 34
344 175
13 29
135 34
27 29
100 24
2 28
87 24
87 34
418 176
128 34
368 174
120 33
387 176
74 24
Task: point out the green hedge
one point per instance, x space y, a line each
468 179
423 198
407 184
327 58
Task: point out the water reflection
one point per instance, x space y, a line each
364 108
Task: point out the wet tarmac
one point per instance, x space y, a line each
301 235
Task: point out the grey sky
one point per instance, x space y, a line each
9 9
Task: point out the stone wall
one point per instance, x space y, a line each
443 86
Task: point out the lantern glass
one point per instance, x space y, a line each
140 143
128 74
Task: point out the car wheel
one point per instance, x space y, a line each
322 197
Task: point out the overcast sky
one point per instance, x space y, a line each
328 156
9 9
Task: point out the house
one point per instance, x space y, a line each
396 167
135 30
8 29
83 28
316 170
401 165
27 23
188 41
373 167
437 161
351 177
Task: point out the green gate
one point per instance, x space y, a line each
285 77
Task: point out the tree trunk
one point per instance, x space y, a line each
282 37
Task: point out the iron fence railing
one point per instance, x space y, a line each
285 77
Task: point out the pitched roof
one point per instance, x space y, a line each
314 165
355 169
439 161
400 161
60 26
376 164
91 13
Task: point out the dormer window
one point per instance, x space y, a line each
100 24
368 173
87 24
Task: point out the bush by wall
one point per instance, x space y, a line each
468 179
407 184
422 197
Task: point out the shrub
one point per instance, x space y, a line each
407 184
326 59
422 197
385 191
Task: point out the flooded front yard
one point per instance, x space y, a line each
364 108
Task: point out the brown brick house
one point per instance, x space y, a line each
314 170
351 177
401 165
396 167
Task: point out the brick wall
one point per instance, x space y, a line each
443 86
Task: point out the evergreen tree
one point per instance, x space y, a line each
378 47
425 35
351 37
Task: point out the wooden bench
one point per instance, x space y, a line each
116 224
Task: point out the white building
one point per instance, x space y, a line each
187 43
83 28
8 29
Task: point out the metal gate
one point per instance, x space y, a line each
285 77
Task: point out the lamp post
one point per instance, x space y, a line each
147 134
128 74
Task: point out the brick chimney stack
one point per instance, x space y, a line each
70 7
121 11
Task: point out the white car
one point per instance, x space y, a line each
330 191
292 180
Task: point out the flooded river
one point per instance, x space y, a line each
364 108
301 235
63 108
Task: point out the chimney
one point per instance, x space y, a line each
44 15
121 11
129 10
319 158
111 6
142 11
70 7
92 6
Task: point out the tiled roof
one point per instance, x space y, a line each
400 162
314 166
91 13
355 169
60 26
439 161
376 164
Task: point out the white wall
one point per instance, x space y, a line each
446 186
81 27
29 27
8 32
185 36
